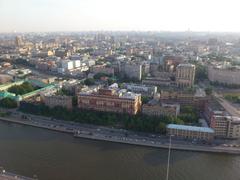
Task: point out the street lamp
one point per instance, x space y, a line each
169 155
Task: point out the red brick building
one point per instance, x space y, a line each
111 100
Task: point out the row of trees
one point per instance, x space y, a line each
233 98
189 114
231 86
138 122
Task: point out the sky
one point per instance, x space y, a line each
123 15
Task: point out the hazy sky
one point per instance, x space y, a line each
156 15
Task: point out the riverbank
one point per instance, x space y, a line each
117 136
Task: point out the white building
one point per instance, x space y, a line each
67 64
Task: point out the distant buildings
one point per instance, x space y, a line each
110 100
185 75
191 132
18 41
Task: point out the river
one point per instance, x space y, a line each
57 156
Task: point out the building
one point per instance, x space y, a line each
76 63
132 70
185 75
158 81
184 99
171 62
18 41
110 100
223 75
142 89
157 109
224 125
57 100
102 69
191 132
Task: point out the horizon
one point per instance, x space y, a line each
106 15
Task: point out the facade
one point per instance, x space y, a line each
161 110
157 81
132 70
55 100
102 69
223 75
224 125
110 100
185 75
67 64
191 132
184 99
142 89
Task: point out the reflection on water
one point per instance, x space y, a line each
56 156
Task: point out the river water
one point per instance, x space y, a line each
57 156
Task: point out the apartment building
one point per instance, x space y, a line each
156 109
110 100
191 132
142 89
224 75
224 125
57 100
185 75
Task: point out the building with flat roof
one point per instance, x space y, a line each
57 100
185 75
224 125
142 89
224 75
132 70
191 132
110 100
154 108
184 99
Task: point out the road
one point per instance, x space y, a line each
227 105
122 135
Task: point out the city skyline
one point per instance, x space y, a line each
93 15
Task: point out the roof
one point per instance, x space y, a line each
186 65
190 128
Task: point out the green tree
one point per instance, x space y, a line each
89 81
24 88
208 90
8 103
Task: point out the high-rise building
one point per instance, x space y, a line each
185 75
18 41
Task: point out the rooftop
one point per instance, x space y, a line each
186 65
190 128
